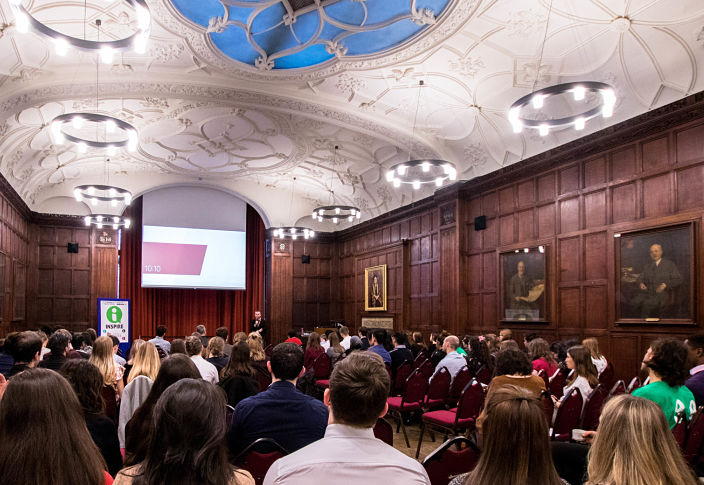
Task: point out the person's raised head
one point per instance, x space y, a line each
668 359
505 334
512 362
178 346
286 362
451 343
539 348
580 360
222 332
400 338
257 315
58 343
25 347
44 434
200 329
363 331
378 336
161 331
146 362
87 383
634 446
695 348
239 337
193 345
344 331
216 347
239 363
359 386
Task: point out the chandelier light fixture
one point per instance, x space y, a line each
102 193
336 212
111 128
421 171
293 232
543 122
102 220
25 21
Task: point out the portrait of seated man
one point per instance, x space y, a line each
656 285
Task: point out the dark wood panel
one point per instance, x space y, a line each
656 153
656 195
623 203
595 172
623 163
569 258
526 193
507 202
570 307
569 179
595 252
569 215
596 305
546 221
690 144
595 208
689 188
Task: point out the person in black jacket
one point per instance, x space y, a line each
400 353
238 379
58 344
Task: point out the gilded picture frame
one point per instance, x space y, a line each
375 289
524 278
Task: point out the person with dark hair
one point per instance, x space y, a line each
294 338
584 378
528 339
6 360
514 369
345 337
25 348
377 345
453 361
200 332
355 344
418 344
80 348
238 379
666 363
178 346
44 435
222 332
479 355
335 351
186 442
313 350
119 360
542 358
258 324
87 383
173 369
281 412
437 341
194 348
58 344
695 383
363 334
89 336
359 386
160 341
400 353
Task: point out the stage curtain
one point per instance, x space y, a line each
181 309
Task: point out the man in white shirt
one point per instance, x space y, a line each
452 361
160 341
207 370
346 339
359 385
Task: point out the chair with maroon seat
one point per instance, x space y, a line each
258 457
548 406
455 456
384 431
427 368
618 389
409 400
438 390
229 414
633 385
402 372
592 409
544 376
695 439
464 416
458 384
484 375
680 430
321 370
420 358
268 350
606 378
110 398
568 416
557 384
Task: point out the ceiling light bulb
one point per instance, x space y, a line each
86 219
61 46
106 54
359 215
320 219
93 201
315 214
353 212
305 235
390 176
22 22
525 250
112 192
416 184
579 93
82 147
128 223
294 236
77 195
312 233
113 203
110 126
90 190
438 182
607 111
537 101
292 230
77 122
334 220
100 225
514 113
16 2
579 124
401 169
143 18
128 199
453 174
397 183
140 43
517 126
337 210
425 166
132 141
350 218
543 130
114 226
115 220
99 218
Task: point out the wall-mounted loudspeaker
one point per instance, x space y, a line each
72 247
480 223
305 258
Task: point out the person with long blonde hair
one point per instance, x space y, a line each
256 347
146 362
101 357
598 358
634 446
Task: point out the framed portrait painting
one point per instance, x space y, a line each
375 289
655 275
523 283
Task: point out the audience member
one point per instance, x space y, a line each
239 337
695 383
492 342
222 332
418 344
200 330
528 339
90 336
349 452
80 348
6 360
58 345
256 352
666 363
436 347
378 336
592 345
139 383
505 334
453 361
160 341
238 379
207 370
355 344
400 353
324 343
539 352
313 350
508 345
335 351
584 376
25 348
119 360
294 338
635 447
479 355
364 336
173 369
44 434
345 337
514 442
186 444
178 346
514 368
86 381
281 412
136 345
102 358
216 353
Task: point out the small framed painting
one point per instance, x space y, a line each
375 289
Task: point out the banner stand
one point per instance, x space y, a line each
114 318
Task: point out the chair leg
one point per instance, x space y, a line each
432 435
420 438
399 417
403 428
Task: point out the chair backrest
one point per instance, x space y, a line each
420 358
258 457
455 456
606 378
459 383
592 408
618 389
229 414
471 401
402 372
110 398
384 431
263 378
634 384
557 384
484 375
695 438
680 429
548 406
427 368
268 350
568 414
321 366
544 376
414 390
439 387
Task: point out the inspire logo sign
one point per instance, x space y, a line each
114 318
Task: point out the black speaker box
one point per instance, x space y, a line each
480 223
72 247
305 258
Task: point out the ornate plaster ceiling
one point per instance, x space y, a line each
206 118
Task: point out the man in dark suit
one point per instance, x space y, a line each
401 353
258 324
281 412
659 277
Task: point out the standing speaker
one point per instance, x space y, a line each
480 223
305 258
72 247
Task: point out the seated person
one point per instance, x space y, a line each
194 349
584 376
349 452
238 379
598 358
542 358
25 348
695 383
378 338
666 363
452 361
58 345
281 412
400 353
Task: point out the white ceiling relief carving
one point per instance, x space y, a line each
205 118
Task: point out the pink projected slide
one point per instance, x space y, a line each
172 258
